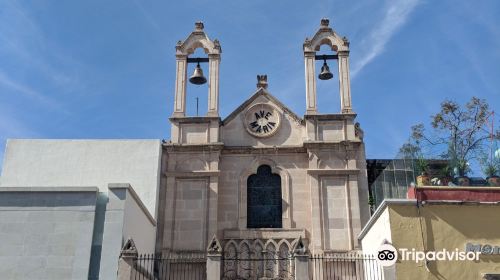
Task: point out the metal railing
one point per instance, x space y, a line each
345 266
172 266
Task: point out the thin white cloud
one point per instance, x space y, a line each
396 15
146 15
23 41
18 87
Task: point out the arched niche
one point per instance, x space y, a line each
285 191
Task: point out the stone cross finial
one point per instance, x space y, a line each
198 26
261 81
325 22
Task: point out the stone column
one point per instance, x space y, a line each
344 82
168 233
212 198
301 258
180 86
302 266
310 62
213 85
317 229
214 259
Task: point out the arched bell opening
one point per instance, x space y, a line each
312 47
196 94
327 90
197 65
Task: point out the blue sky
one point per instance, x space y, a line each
106 69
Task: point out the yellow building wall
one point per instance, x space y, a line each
445 226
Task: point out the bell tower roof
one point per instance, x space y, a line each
326 36
198 39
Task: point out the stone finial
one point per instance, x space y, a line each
261 81
217 44
325 22
129 249
198 26
346 41
214 247
299 247
178 46
358 132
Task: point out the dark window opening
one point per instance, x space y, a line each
264 199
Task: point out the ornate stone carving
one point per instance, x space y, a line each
299 247
198 26
358 132
261 81
129 249
214 246
262 120
325 22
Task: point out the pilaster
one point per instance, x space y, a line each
180 86
311 103
344 82
213 85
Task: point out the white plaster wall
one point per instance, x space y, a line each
124 219
137 226
379 231
46 234
290 132
85 163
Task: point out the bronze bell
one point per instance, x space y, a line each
198 78
325 72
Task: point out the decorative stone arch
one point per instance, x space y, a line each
285 191
231 249
197 39
326 36
284 242
269 243
258 244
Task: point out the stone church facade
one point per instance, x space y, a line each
260 180
263 176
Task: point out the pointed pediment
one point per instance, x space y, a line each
262 121
261 92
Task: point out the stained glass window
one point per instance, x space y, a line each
264 199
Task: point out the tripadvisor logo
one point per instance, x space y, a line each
387 255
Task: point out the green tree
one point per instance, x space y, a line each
458 132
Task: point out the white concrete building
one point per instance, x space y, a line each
257 179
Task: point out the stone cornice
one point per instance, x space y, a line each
333 171
263 150
194 119
206 147
268 233
190 174
330 117
331 144
219 146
